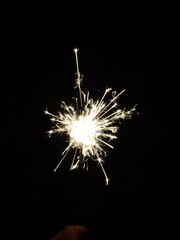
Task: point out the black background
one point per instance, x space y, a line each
121 46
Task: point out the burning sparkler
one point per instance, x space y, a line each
89 126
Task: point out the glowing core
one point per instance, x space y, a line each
84 131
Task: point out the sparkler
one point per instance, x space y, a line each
90 125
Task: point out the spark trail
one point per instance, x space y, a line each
90 125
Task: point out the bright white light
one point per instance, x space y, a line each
84 131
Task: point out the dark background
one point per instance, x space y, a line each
121 46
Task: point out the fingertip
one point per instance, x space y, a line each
80 230
71 232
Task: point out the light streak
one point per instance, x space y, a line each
90 125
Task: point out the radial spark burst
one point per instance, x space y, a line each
90 125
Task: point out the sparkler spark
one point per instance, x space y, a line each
90 126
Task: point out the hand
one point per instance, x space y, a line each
71 233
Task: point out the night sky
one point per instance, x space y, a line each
120 46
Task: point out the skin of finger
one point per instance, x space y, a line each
80 230
71 233
74 232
